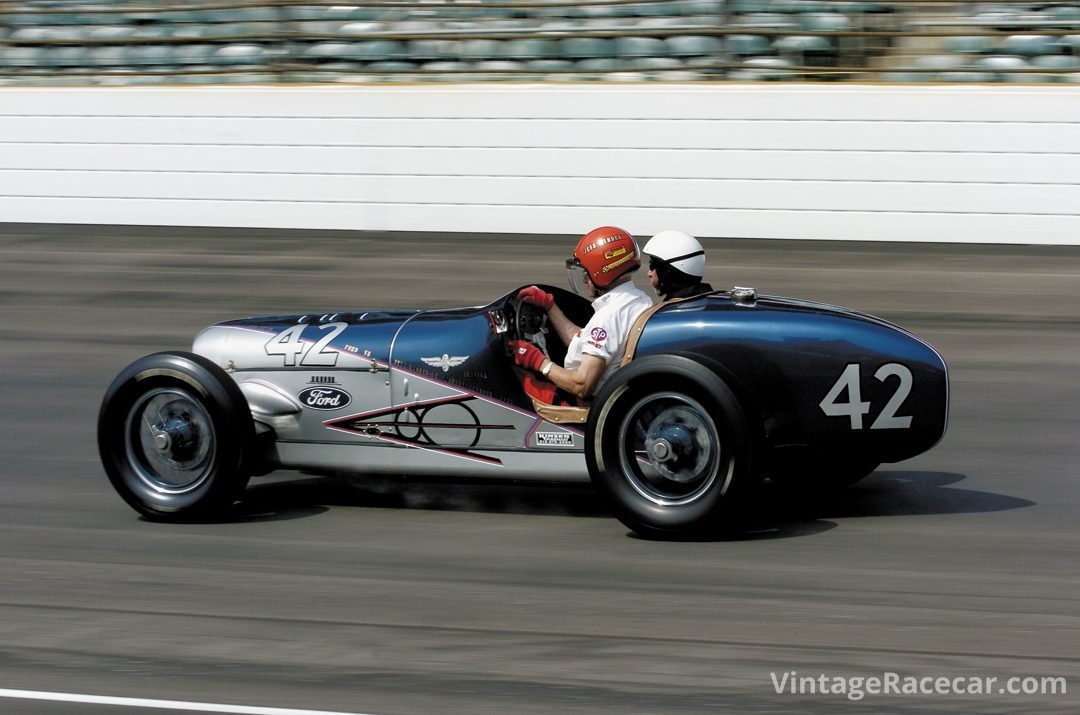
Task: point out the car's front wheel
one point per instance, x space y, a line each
669 449
172 434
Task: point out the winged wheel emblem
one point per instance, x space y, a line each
445 361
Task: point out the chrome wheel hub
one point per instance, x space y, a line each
673 450
170 441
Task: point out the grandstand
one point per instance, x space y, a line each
99 42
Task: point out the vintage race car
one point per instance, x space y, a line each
721 390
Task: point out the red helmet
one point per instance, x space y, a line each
604 254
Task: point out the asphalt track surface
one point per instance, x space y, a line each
421 596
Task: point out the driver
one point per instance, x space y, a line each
601 270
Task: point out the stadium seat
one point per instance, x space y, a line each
1062 16
655 63
529 49
599 64
43 34
110 33
965 77
764 69
805 49
152 32
699 7
1029 45
391 66
136 41
500 66
150 56
970 45
17 19
70 56
330 51
703 21
359 28
1003 68
446 66
253 13
940 63
106 56
480 49
653 9
427 50
693 46
1069 43
649 25
592 10
193 54
639 47
744 7
903 76
236 31
381 50
1058 65
587 47
801 6
748 45
768 21
825 22
550 65
240 54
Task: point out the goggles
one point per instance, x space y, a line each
578 278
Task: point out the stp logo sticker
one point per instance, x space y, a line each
598 335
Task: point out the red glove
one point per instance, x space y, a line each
527 355
537 297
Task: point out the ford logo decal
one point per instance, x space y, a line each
324 398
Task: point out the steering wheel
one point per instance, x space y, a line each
529 319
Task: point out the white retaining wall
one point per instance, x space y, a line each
988 164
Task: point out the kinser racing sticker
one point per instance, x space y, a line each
554 439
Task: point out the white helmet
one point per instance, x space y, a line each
679 250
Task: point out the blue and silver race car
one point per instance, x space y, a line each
716 392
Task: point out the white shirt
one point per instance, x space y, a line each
606 333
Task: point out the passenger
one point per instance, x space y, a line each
601 270
676 265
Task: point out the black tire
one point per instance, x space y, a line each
669 445
173 431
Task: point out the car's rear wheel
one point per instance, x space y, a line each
669 450
172 434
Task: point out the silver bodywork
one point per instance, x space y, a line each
362 414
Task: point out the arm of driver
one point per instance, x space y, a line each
583 380
564 328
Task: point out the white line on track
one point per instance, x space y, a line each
158 704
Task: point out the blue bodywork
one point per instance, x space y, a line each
783 357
